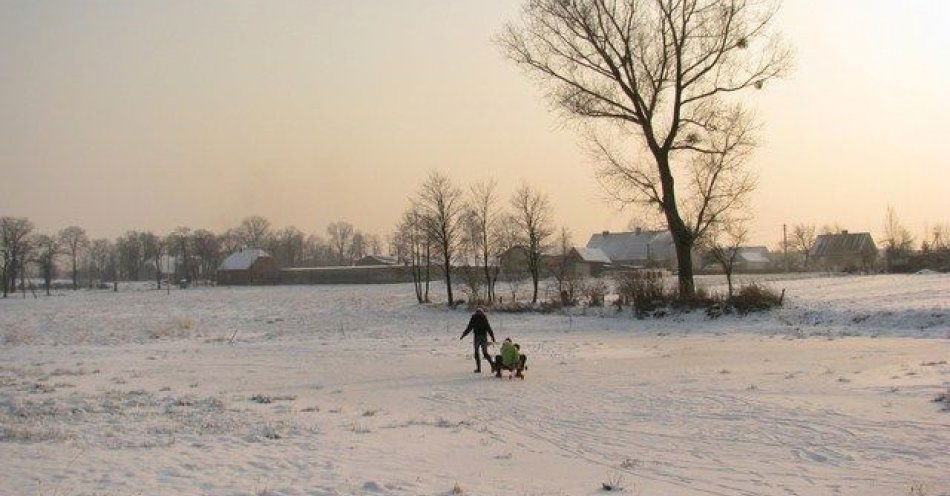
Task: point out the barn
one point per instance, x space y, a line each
844 251
248 266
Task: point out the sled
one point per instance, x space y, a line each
497 367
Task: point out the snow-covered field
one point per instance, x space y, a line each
325 390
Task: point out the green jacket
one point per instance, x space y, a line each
509 354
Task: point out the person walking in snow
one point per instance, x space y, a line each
480 328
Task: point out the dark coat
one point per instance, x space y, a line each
480 328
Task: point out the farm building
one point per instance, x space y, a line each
844 251
248 266
640 248
748 259
370 260
581 261
367 274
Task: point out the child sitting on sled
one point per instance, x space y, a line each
510 359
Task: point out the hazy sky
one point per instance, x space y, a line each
117 115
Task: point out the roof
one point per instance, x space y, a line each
592 254
633 246
243 259
378 260
843 243
754 254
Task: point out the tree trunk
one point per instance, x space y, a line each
682 237
75 274
448 280
534 284
729 282
684 261
428 271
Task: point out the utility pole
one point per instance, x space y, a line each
785 244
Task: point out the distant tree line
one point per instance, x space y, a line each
186 254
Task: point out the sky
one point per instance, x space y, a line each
155 114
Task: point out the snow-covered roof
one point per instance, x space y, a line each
242 260
377 260
592 254
754 254
634 246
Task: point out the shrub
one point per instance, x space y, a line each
595 292
755 297
644 291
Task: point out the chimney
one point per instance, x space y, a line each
639 230
605 233
844 231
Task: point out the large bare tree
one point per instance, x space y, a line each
441 205
531 211
74 240
657 76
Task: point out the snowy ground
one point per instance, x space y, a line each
153 393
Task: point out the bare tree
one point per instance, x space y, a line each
14 240
230 241
289 246
179 246
101 261
657 75
898 242
357 246
153 249
129 250
341 236
206 247
511 255
563 269
724 247
46 249
484 215
74 241
531 212
803 239
373 244
411 243
254 231
834 228
440 205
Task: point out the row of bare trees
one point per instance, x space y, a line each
184 253
467 233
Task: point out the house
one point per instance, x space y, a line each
748 259
581 261
371 260
753 259
640 248
844 251
248 266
